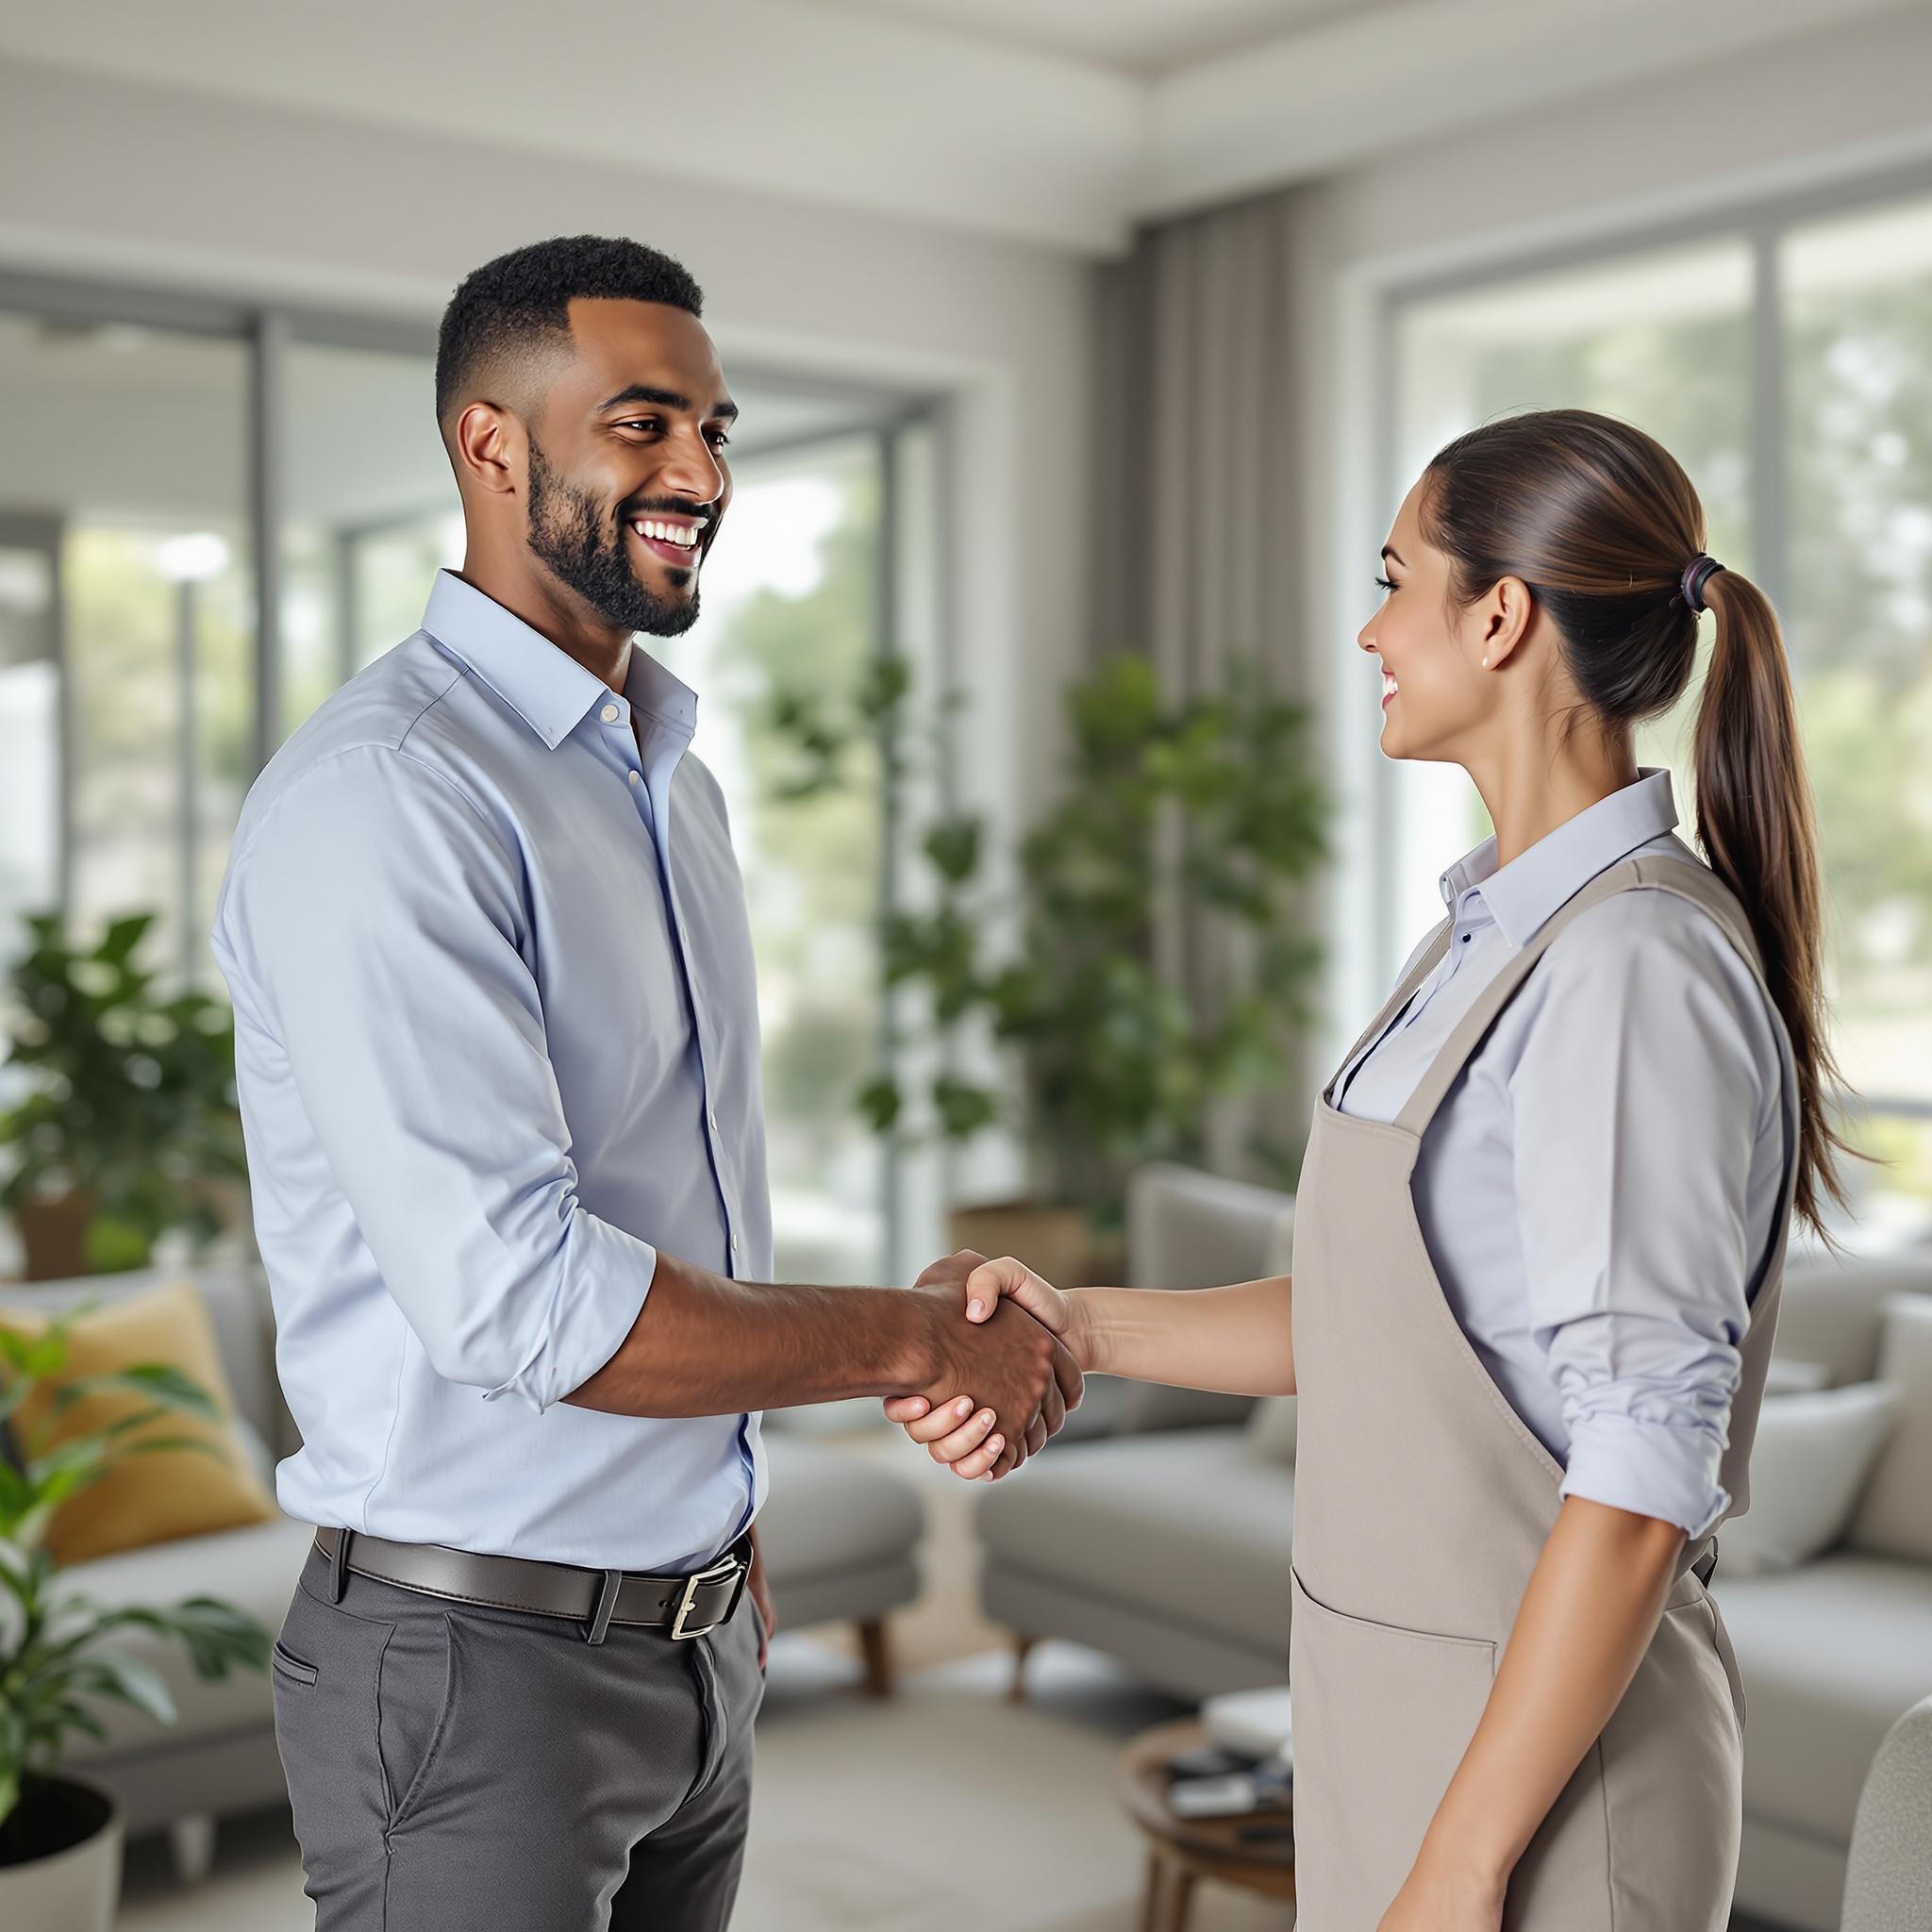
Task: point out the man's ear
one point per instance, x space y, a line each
491 448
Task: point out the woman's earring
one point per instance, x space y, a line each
1486 660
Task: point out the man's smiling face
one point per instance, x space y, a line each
628 480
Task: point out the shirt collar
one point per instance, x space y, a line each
546 687
650 687
1523 895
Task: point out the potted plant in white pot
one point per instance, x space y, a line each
61 1838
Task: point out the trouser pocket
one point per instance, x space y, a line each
362 1706
286 1664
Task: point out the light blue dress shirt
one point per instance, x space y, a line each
1600 1189
497 1042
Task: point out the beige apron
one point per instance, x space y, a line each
1422 1503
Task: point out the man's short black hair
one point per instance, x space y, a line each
522 300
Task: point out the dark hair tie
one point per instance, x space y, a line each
1697 573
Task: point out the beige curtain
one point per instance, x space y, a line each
1198 541
1195 538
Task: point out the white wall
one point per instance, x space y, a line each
106 180
1834 106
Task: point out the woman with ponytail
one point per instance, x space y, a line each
1540 1229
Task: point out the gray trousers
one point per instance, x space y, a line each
457 1767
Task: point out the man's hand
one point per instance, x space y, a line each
1039 1379
758 1586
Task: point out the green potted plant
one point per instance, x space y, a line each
1205 814
60 1837
128 1127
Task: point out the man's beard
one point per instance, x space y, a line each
569 534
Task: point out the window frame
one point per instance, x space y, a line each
1763 222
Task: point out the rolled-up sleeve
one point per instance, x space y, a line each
373 928
1637 1104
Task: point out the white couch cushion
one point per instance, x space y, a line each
1810 1459
1830 1308
1787 1375
1894 1515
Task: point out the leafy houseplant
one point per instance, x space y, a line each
129 1125
55 1657
1202 815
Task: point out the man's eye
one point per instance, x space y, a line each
720 440
640 423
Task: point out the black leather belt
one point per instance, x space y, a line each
684 1607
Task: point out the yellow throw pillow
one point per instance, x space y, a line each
162 1493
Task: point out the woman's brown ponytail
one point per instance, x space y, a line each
1755 822
1599 520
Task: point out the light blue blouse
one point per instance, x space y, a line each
1600 1189
497 1043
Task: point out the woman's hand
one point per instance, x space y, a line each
957 1433
1444 1900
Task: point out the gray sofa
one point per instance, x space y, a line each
1163 1540
839 1536
1166 1543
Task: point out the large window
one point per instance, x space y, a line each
793 605
154 649
1788 367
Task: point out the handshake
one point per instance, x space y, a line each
1014 1345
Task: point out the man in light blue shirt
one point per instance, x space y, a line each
498 1056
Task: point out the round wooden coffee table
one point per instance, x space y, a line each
1183 1851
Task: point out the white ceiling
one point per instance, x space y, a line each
1056 122
1135 36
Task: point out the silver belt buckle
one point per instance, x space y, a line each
719 1571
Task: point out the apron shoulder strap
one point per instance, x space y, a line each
1687 878
1426 962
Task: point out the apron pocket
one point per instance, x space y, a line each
1382 1716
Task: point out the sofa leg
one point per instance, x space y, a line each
876 1644
192 1841
1023 1649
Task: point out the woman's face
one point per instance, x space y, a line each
1437 695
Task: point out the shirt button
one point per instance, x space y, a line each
714 1120
734 1244
610 714
637 777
